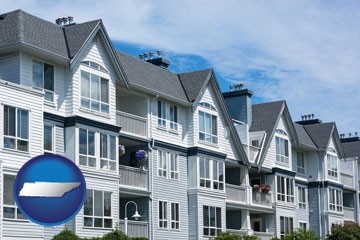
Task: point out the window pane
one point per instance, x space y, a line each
107 204
207 123
95 87
23 124
9 189
104 90
98 203
218 217
212 217
83 141
205 216
215 173
9 121
85 84
48 132
9 212
108 223
201 122
214 126
159 109
91 139
88 205
23 145
202 167
37 74
98 222
103 146
48 77
88 222
112 147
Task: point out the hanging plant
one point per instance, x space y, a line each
141 157
121 150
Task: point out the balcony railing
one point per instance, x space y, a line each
349 213
253 153
347 180
236 193
133 177
135 228
132 124
260 198
264 235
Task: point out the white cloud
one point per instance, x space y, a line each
306 52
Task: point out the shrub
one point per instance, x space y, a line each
349 231
66 235
231 236
115 235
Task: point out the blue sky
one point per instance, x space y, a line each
306 52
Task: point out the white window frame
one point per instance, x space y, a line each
282 144
173 118
211 230
10 206
175 220
302 224
331 162
300 163
287 226
208 180
49 94
174 166
52 150
93 216
162 164
108 162
17 138
102 104
87 156
161 113
285 194
207 134
163 221
302 197
335 200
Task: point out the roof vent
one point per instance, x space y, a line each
236 87
159 61
141 56
307 119
65 21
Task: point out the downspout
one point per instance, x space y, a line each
322 198
356 184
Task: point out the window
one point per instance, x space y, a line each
332 165
108 152
175 217
173 118
303 225
211 220
211 174
97 209
207 105
335 200
162 165
285 189
94 92
300 163
174 166
43 77
94 65
282 150
218 175
16 128
286 226
162 114
208 127
163 220
255 143
48 139
302 197
87 148
10 210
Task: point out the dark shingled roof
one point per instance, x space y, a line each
191 82
320 133
23 28
352 149
304 138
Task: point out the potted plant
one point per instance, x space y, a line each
121 150
256 187
265 188
141 157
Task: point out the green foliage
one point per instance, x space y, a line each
349 231
66 235
301 234
115 235
274 238
231 236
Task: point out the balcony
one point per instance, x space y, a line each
135 228
349 214
347 180
236 193
131 177
132 124
262 199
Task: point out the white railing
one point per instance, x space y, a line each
264 235
260 198
132 123
347 180
237 231
349 213
133 177
253 153
236 193
135 228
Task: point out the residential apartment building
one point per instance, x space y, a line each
169 145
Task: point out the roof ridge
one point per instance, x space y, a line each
277 101
201 70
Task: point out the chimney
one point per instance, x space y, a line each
308 119
238 102
70 20
159 61
64 20
58 21
343 139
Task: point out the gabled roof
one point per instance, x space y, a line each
265 117
321 135
304 138
193 82
352 149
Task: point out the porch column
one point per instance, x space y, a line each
245 221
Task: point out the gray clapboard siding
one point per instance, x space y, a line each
10 68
